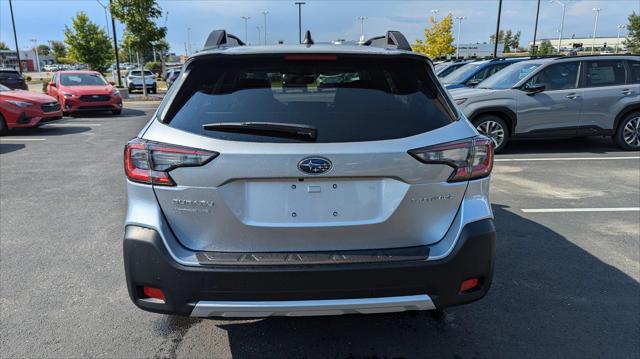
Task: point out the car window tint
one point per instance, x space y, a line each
634 74
346 100
13 75
561 76
605 73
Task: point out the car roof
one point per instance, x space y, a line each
77 72
317 48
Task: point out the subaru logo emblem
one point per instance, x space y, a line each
314 165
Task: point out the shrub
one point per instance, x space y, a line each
27 78
155 67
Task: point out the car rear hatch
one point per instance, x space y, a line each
353 184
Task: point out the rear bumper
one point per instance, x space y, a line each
256 291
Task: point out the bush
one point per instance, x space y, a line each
27 78
155 67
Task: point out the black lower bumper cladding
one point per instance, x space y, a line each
147 263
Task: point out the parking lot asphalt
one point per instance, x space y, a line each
567 282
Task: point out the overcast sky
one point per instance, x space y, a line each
327 20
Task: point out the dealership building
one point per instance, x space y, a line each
585 43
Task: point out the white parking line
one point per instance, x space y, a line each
566 159
558 210
21 139
71 124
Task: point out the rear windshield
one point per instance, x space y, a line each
137 73
345 99
10 75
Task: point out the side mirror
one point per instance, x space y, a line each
112 83
533 89
473 83
52 84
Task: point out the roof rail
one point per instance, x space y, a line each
220 38
393 40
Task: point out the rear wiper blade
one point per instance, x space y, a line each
273 129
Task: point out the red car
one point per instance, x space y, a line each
79 91
19 108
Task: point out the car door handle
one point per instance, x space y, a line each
573 96
626 92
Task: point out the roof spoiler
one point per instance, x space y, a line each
220 38
393 40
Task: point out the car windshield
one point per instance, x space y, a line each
82 79
345 100
137 73
461 74
508 77
4 88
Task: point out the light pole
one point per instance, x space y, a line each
35 49
495 45
362 19
595 28
435 13
245 18
535 31
15 37
115 47
106 17
265 25
564 6
620 27
300 3
259 34
459 18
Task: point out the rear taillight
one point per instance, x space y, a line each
471 158
150 162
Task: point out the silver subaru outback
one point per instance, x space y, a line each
307 180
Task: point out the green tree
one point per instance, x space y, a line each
515 41
44 50
492 37
545 48
633 37
88 42
438 40
58 49
508 37
3 46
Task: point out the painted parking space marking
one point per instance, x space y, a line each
560 210
21 139
567 159
70 124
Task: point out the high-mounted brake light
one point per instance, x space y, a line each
471 158
150 162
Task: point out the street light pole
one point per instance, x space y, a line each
300 3
564 7
106 18
15 37
535 31
495 45
245 18
459 18
35 49
620 27
595 28
362 19
265 25
435 13
259 34
115 46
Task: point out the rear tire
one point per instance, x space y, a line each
495 128
628 132
4 129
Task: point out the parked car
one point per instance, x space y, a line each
79 91
248 201
567 96
13 79
172 76
475 72
133 81
443 69
20 108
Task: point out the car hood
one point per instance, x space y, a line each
22 95
472 92
88 90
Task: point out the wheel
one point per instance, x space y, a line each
3 126
495 128
628 133
116 112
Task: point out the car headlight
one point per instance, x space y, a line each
459 101
115 92
21 104
67 95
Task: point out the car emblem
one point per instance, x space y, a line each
95 96
314 165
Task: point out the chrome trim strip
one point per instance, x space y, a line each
294 308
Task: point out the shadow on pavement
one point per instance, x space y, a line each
10 147
566 145
549 298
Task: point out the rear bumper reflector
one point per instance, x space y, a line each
293 308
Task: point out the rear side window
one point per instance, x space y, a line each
345 99
634 72
605 73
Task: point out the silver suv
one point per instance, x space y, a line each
558 97
354 186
